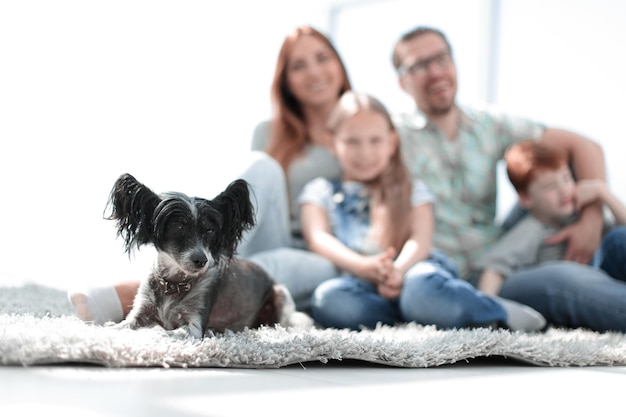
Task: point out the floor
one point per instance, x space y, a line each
489 386
493 386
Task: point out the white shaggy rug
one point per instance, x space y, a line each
37 326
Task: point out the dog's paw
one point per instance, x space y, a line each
185 332
289 317
299 320
177 333
124 324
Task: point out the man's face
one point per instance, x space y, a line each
428 73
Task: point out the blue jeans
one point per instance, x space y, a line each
611 256
571 295
431 294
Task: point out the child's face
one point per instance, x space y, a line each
364 144
550 196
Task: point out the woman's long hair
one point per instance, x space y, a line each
289 133
391 191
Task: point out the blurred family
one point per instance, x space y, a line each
372 218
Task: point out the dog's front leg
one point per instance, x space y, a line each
193 329
195 324
133 322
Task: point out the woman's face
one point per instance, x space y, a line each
314 73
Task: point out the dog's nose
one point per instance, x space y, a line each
199 263
199 260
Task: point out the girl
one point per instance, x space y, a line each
376 225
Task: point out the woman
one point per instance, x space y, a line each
309 79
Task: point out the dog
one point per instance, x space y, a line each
197 286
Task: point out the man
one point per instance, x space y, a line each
455 149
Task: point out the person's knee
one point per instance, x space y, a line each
299 270
422 300
561 273
333 305
416 289
325 294
264 175
263 171
268 260
303 266
534 285
326 303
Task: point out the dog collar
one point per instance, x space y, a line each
175 287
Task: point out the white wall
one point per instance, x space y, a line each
165 90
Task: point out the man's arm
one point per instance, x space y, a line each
587 160
585 155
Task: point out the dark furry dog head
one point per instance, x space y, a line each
190 233
197 284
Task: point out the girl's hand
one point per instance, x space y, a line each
375 268
392 286
388 292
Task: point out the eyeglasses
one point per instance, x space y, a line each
422 67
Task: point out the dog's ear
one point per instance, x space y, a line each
237 211
132 205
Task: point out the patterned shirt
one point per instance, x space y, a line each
347 206
462 175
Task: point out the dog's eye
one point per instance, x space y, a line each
175 229
209 230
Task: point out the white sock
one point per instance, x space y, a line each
522 317
97 304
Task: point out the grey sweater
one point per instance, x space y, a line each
317 161
522 246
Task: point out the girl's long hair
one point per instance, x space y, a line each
289 133
391 191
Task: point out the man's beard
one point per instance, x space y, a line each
440 110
